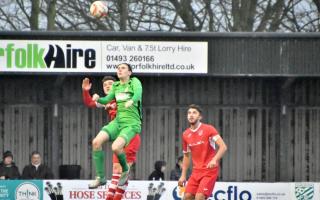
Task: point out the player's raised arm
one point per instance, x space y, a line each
87 99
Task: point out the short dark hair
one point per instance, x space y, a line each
7 154
107 78
195 106
35 153
129 66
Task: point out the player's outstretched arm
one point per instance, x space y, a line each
185 167
87 99
108 98
86 85
221 151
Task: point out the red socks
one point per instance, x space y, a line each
113 186
120 191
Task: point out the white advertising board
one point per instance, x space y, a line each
46 56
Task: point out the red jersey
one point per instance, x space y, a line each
201 143
111 107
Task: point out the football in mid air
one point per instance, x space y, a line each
99 9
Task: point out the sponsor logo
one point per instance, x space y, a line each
232 193
54 192
55 56
155 192
4 192
27 191
196 143
304 191
122 96
178 192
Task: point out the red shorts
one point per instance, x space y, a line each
202 181
130 150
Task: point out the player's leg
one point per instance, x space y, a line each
188 196
98 155
125 136
131 154
191 187
121 189
207 184
200 196
116 173
117 148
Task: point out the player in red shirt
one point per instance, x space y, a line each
115 192
107 82
199 140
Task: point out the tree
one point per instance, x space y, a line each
51 14
34 18
164 15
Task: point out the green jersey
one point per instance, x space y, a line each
132 90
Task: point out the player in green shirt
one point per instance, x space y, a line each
128 94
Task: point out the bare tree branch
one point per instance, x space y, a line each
8 19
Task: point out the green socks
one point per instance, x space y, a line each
123 161
99 161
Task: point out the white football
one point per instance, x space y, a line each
99 9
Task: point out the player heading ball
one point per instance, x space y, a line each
127 123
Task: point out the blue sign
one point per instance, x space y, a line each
21 189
